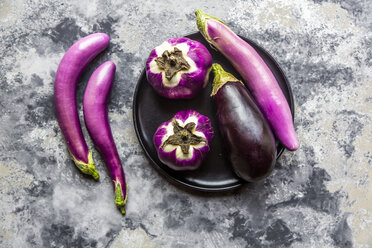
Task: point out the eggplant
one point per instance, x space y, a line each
256 74
179 68
97 123
246 134
78 56
182 142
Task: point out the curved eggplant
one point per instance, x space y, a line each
69 70
97 123
248 137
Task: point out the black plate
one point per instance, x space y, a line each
150 110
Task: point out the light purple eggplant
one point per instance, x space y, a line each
179 68
97 123
69 70
182 143
256 74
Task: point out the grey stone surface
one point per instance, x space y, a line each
318 196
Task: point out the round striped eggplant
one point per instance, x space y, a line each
183 142
248 137
179 68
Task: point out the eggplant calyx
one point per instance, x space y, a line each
120 200
221 77
183 137
201 19
87 168
172 62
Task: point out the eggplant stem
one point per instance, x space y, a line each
183 137
87 168
221 77
120 200
172 62
201 19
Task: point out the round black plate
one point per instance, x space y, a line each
150 110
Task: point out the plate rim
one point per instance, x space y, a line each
178 182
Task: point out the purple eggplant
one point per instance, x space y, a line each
97 123
69 70
182 143
248 137
256 74
179 68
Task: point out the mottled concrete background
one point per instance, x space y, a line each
318 196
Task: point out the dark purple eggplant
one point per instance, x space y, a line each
247 136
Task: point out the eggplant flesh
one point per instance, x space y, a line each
247 135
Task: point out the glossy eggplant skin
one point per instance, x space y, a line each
248 138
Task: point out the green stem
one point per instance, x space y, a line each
120 199
221 77
87 168
201 19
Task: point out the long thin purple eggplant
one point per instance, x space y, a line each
248 137
69 70
256 74
97 123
